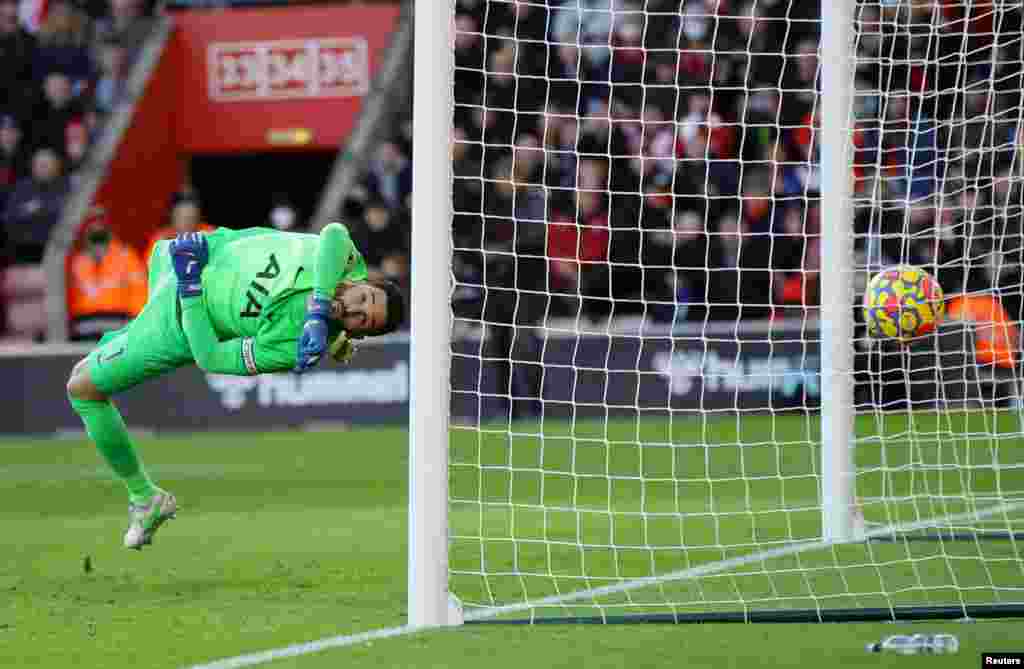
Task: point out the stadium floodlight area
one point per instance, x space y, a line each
641 230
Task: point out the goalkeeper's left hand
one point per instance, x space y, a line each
313 340
189 255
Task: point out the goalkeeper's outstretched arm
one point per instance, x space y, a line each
336 254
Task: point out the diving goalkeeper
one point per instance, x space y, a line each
231 302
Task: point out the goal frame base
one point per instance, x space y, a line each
894 614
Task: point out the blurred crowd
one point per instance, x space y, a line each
623 158
660 158
64 69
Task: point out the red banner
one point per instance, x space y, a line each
289 77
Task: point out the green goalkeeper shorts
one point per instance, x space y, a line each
152 344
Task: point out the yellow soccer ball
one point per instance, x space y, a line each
903 303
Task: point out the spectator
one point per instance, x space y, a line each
499 205
706 146
759 207
390 175
12 156
502 93
796 259
578 245
17 55
676 262
909 140
530 198
466 168
741 279
804 140
578 76
34 208
127 24
283 215
186 216
113 80
383 238
106 281
760 114
469 56
560 136
791 181
801 79
54 112
587 23
758 38
63 45
76 142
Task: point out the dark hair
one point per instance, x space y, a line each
396 306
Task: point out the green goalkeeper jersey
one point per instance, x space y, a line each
255 286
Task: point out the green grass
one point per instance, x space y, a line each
291 537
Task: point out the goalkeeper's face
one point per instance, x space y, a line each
361 308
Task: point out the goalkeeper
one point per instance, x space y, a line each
231 302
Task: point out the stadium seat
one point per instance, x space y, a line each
24 291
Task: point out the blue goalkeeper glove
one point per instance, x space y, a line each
313 341
189 254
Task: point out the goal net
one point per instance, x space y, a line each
636 341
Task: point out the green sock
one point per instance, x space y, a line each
105 426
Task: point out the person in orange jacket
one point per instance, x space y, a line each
186 216
106 281
997 338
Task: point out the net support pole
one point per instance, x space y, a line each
429 601
837 465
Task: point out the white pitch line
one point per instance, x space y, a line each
263 657
253 659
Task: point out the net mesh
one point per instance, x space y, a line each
636 262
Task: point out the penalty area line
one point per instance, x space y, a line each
709 569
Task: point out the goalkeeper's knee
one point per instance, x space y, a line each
80 386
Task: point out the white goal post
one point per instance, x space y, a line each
430 317
719 442
837 431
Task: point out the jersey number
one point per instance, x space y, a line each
253 306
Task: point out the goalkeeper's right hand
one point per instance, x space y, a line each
313 340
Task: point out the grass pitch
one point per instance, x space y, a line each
290 537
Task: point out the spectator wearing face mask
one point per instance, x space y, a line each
34 208
186 216
282 214
106 281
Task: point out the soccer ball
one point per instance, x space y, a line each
903 303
